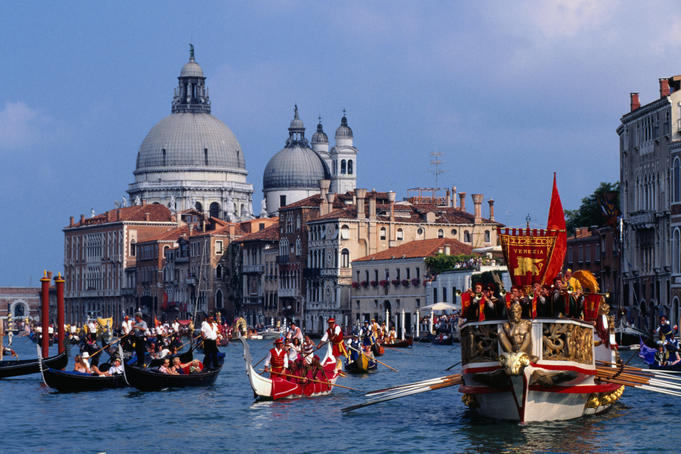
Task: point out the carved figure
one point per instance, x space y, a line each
516 335
263 208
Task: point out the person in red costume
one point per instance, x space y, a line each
277 359
334 334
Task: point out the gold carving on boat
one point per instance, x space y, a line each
479 343
567 342
600 399
469 400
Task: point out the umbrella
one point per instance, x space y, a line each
441 306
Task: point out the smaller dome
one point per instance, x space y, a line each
191 69
319 136
294 167
344 130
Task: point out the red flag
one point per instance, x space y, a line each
465 303
556 222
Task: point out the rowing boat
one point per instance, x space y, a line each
277 388
406 343
13 368
362 365
151 379
72 381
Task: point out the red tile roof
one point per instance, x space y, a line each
155 212
270 233
421 248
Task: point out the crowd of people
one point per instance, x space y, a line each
668 346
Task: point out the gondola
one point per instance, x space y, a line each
362 365
378 349
71 381
13 368
406 343
675 368
150 379
443 340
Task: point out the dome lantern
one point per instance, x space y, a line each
191 94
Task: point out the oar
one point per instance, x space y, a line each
108 345
453 366
413 384
655 372
263 359
401 350
379 362
406 393
316 381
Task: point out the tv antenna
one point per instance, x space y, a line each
436 162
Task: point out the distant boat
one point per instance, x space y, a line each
13 368
626 334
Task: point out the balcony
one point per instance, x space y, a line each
282 259
642 220
253 269
287 292
253 300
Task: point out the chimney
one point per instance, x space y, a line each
118 214
477 204
108 216
448 199
491 209
391 199
147 216
143 202
664 87
71 221
82 219
454 204
323 191
462 199
361 194
372 206
635 103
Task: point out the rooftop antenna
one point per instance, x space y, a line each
436 162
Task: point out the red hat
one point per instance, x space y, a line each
332 320
279 341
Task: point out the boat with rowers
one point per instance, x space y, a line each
406 343
289 385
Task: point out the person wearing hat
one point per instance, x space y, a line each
277 359
334 334
209 333
139 329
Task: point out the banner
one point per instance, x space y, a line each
591 303
556 222
528 253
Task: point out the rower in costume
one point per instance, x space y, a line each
277 359
334 334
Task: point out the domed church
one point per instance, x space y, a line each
190 159
294 172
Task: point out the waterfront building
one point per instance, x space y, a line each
190 159
100 255
650 201
294 172
19 303
393 281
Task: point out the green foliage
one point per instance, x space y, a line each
442 262
599 209
487 278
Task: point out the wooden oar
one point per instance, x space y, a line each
314 380
261 360
660 373
637 379
406 393
109 345
379 362
409 385
453 366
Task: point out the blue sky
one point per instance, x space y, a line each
507 92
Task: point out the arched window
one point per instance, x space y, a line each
440 233
345 258
487 236
218 299
335 167
466 236
198 207
215 210
343 167
164 156
205 156
383 233
349 166
676 251
400 234
345 232
677 180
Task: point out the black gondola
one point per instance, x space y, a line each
71 381
13 368
150 379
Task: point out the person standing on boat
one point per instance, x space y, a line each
277 359
334 334
209 333
126 326
139 330
295 332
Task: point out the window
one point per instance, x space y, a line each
434 295
349 166
419 231
440 233
205 156
676 251
218 272
345 232
488 236
343 167
408 273
454 232
282 200
400 234
345 258
466 236
133 249
383 233
444 294
418 273
335 167
214 210
164 156
677 180
218 247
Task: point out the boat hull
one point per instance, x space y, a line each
65 381
362 365
408 342
31 366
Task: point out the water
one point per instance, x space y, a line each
224 418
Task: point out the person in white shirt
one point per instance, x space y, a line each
209 333
126 326
176 326
295 333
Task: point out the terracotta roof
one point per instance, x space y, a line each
270 233
421 248
170 235
155 212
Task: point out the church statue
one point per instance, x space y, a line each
172 205
138 201
263 208
124 201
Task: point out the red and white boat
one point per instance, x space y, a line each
289 388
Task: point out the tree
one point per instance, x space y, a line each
599 209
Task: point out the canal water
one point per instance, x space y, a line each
225 418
